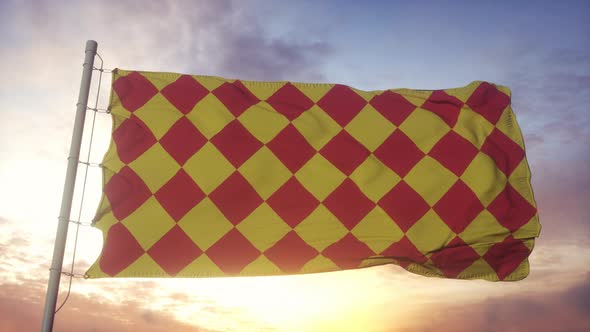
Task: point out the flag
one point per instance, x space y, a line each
207 176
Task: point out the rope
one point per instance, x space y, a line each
87 163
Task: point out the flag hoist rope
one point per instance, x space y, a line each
69 185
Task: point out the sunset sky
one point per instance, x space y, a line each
540 49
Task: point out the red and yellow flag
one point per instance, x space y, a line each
207 176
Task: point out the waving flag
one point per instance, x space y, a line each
207 176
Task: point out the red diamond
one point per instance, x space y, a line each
183 140
236 97
291 148
348 252
405 252
445 106
184 93
289 101
126 192
292 202
132 138
348 204
134 90
511 209
236 143
504 151
488 101
454 258
119 251
345 152
399 153
174 251
342 104
233 252
454 152
290 253
393 106
404 205
458 207
179 195
236 198
506 256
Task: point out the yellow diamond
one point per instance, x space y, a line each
320 177
265 172
377 230
430 179
473 127
143 267
370 128
111 161
529 230
209 82
263 227
314 92
205 224
158 115
202 267
208 168
463 93
210 116
416 97
484 178
263 121
480 269
424 128
374 178
155 167
263 90
261 266
105 221
520 179
160 81
508 125
430 233
366 95
321 229
319 264
149 223
317 127
484 229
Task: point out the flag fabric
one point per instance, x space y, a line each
208 177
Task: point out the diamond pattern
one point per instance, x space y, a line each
236 143
458 207
120 250
236 97
506 256
236 198
182 140
344 152
266 178
291 148
454 152
455 258
184 93
132 138
404 205
348 253
232 252
291 253
342 104
349 204
126 192
393 106
293 202
488 101
399 153
511 209
179 195
174 251
134 90
445 106
504 151
290 102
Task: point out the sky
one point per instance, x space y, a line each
540 49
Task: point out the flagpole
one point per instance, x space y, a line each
68 192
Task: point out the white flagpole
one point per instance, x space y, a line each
68 193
